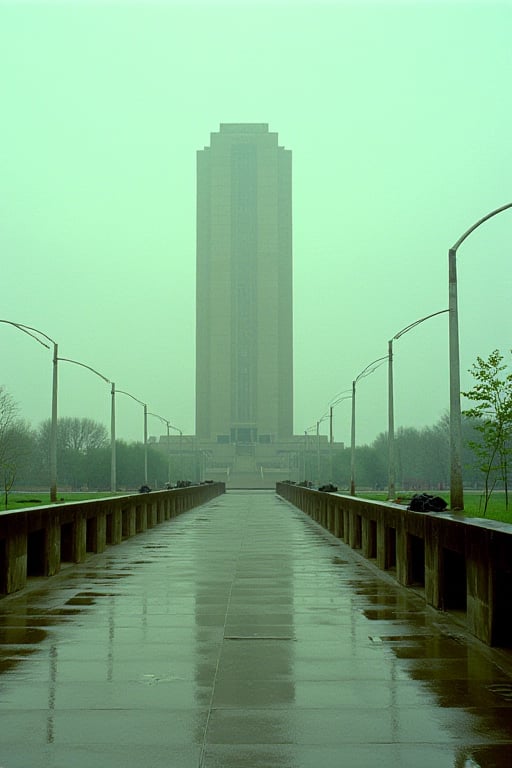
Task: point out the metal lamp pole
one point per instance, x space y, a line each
168 425
308 463
168 453
336 399
122 392
181 444
113 460
112 417
306 457
456 484
370 368
322 418
318 454
391 415
53 424
145 444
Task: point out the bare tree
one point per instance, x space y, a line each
78 443
15 442
81 434
8 413
76 434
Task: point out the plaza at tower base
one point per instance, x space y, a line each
249 465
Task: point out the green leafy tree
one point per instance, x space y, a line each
492 395
130 466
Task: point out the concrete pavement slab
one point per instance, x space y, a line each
242 635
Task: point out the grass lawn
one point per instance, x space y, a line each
473 503
22 500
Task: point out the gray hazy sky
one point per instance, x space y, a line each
398 115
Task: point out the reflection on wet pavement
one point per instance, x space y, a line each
241 635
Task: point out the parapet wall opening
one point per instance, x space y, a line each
3 567
66 543
109 531
372 539
454 587
390 549
502 600
416 561
90 535
36 542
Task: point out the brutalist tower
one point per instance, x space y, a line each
244 351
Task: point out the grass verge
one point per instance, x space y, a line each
473 503
22 500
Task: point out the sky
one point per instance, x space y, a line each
398 116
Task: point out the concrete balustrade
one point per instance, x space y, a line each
459 564
35 542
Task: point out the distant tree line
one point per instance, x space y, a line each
83 456
422 460
422 456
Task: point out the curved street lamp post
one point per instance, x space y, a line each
35 333
307 460
30 331
169 426
370 368
337 399
345 395
391 414
322 418
122 392
113 482
456 484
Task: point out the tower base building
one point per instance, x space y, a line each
244 312
244 343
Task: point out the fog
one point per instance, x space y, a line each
399 120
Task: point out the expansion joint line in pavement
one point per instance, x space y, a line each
210 705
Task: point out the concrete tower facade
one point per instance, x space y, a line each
244 349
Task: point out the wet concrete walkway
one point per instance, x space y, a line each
241 635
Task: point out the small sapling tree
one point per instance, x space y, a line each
492 395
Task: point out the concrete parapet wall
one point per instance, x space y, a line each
35 542
461 564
